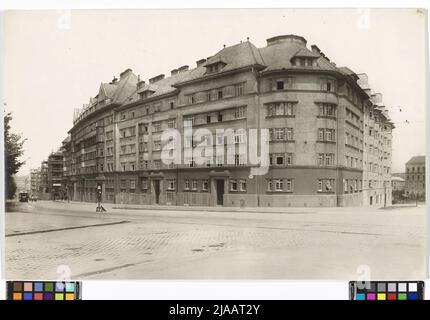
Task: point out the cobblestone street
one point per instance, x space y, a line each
45 239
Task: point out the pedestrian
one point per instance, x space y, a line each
99 208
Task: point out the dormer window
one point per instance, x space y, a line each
145 94
303 61
215 66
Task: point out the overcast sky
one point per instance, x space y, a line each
56 60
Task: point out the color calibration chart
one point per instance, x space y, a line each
43 290
387 290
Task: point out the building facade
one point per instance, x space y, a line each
398 183
55 175
416 176
329 137
35 182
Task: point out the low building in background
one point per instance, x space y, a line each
415 177
55 176
35 182
397 183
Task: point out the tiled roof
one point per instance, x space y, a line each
417 160
306 53
278 56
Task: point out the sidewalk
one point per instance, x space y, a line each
276 210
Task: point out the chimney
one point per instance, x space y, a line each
173 72
114 80
200 62
125 73
140 84
315 49
183 68
157 78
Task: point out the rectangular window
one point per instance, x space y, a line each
132 184
205 185
279 160
157 126
279 185
289 158
242 185
233 185
289 134
320 134
320 159
194 184
239 89
240 113
187 184
171 124
171 184
289 185
279 85
279 134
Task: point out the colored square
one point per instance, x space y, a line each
360 296
38 296
391 287
371 296
28 286
28 296
17 296
38 286
413 287
59 286
402 287
413 296
391 296
70 296
382 296
17 286
70 287
49 296
402 296
59 296
382 287
49 286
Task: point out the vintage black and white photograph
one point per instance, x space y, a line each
215 144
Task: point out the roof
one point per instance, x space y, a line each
417 160
277 56
398 179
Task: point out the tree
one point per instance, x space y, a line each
13 151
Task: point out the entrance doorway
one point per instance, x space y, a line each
220 192
157 191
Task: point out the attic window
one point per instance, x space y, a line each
303 61
280 85
215 67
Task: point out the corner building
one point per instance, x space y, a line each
316 113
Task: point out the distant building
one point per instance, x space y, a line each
397 183
35 182
55 175
415 176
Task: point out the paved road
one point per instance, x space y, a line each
45 240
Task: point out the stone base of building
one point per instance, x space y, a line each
240 200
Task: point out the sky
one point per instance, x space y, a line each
55 60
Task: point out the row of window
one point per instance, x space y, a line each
325 134
213 117
216 94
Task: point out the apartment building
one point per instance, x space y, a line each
415 177
323 126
